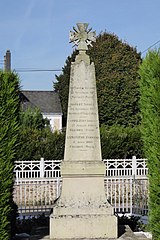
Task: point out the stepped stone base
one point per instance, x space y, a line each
126 234
82 211
83 226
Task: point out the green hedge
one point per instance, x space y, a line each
9 111
120 142
150 111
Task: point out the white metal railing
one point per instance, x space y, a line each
38 185
37 169
126 167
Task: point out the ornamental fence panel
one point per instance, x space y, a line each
38 184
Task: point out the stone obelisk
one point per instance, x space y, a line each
82 211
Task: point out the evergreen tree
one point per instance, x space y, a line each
9 112
150 111
62 85
120 142
116 65
36 139
33 118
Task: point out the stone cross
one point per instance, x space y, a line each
82 37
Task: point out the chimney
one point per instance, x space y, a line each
7 61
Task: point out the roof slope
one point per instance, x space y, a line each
47 101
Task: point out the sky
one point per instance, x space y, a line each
37 31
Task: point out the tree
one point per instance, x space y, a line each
36 139
116 66
150 112
120 142
9 128
33 118
54 145
62 85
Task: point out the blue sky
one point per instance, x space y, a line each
37 31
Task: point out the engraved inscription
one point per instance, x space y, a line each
82 124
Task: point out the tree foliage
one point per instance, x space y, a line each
62 85
33 119
120 142
150 111
9 112
116 65
36 139
41 143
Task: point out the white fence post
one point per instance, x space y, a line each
131 194
134 177
42 168
134 167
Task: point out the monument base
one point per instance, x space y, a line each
82 211
83 226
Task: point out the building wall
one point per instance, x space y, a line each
55 121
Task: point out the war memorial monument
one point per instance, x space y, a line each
82 210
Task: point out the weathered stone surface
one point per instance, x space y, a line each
127 235
82 211
82 136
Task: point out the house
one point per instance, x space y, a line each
49 104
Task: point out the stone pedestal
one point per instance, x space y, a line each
82 211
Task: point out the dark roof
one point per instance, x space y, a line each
46 101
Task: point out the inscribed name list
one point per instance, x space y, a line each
82 137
